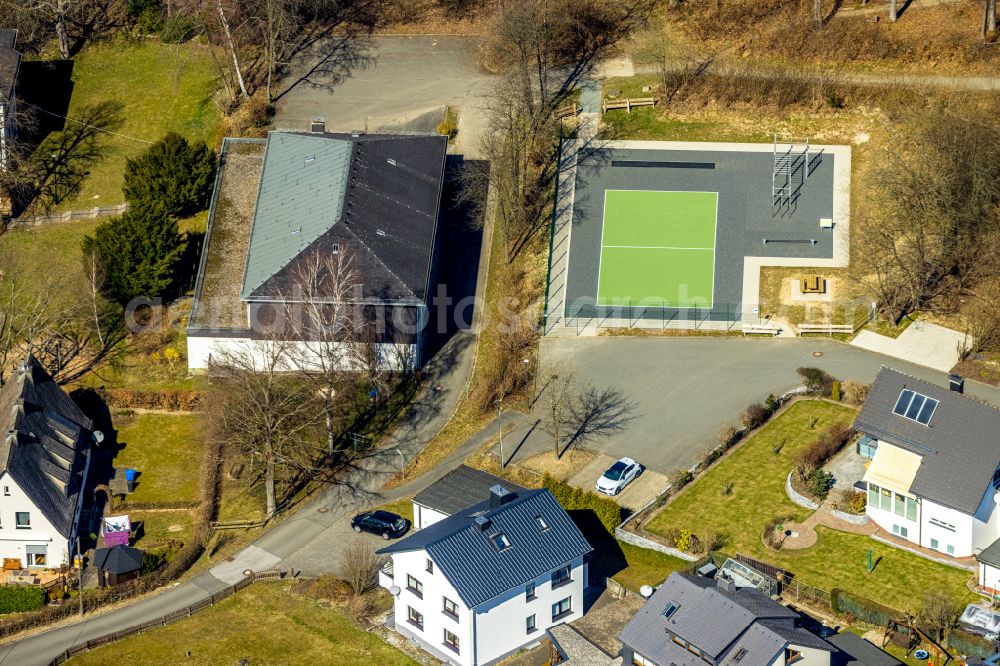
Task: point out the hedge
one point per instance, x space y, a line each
970 644
168 400
865 610
570 498
20 599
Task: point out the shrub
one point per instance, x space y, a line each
970 644
360 566
573 499
710 540
754 416
138 252
172 173
855 393
20 599
816 380
861 608
728 435
772 403
852 501
827 444
684 540
170 400
679 478
178 29
772 537
835 391
820 482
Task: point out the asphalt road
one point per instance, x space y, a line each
685 389
401 84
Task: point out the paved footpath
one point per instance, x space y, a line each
308 528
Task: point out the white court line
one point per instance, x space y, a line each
661 247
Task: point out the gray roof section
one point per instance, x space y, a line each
991 554
45 455
301 196
960 447
461 488
119 559
852 650
717 621
478 571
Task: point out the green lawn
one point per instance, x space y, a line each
646 567
161 527
265 624
167 451
658 248
758 478
401 507
170 87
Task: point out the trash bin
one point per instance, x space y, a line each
130 475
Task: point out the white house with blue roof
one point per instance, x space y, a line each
490 579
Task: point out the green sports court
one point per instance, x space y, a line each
658 249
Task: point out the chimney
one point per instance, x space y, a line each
500 496
725 583
317 125
483 523
956 383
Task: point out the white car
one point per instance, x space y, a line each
618 476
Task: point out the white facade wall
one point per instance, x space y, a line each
889 520
937 525
201 349
989 576
425 516
810 657
489 632
40 533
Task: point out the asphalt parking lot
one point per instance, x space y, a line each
685 389
402 84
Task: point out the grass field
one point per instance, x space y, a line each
264 624
167 451
658 248
838 559
171 87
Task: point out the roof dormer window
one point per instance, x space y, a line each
500 541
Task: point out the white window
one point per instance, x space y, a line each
414 617
6 491
529 624
562 608
950 549
561 576
934 544
451 640
430 566
529 591
900 531
449 607
873 495
22 520
37 555
639 660
415 586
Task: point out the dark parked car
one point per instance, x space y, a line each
385 524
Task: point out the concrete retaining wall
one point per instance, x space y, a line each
642 542
852 518
801 500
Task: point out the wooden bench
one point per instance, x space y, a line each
813 284
760 329
825 328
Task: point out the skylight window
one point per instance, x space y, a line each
500 541
915 406
541 523
670 610
742 652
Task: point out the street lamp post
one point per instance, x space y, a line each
527 364
503 464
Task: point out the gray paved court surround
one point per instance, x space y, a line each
746 215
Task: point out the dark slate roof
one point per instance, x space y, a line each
45 438
990 554
477 570
376 196
852 650
718 621
10 63
461 488
118 559
960 447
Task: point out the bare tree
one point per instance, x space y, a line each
989 27
320 309
892 11
557 398
939 612
58 14
598 413
265 410
359 566
231 46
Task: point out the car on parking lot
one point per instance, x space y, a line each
619 475
386 525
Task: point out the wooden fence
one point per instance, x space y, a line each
136 629
69 216
627 104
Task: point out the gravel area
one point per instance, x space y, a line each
606 620
219 303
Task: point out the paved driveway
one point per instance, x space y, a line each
685 389
405 86
922 342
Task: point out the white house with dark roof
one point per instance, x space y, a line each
458 489
934 476
484 582
44 465
691 620
373 200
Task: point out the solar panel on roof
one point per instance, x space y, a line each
914 406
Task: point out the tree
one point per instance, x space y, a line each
557 405
989 27
939 612
892 11
173 172
264 411
359 566
137 253
320 308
